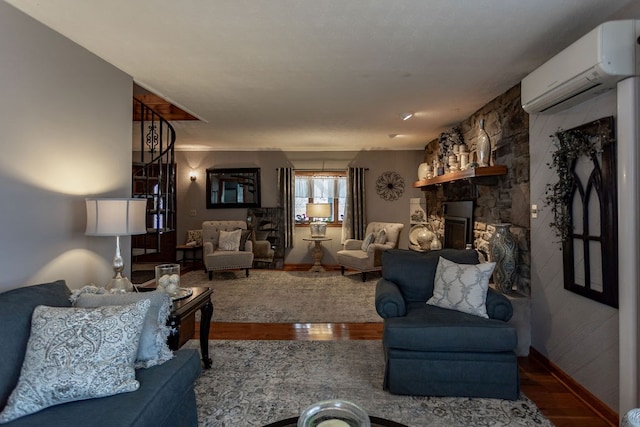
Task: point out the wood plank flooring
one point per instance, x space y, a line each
557 402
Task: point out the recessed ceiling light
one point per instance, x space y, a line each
406 116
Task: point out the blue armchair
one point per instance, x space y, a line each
433 351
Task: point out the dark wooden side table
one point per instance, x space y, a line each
189 254
183 319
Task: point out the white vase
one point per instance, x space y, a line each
422 171
424 238
483 146
435 243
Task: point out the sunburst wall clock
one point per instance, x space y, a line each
390 186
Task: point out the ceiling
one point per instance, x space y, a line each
326 75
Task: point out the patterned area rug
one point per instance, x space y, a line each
272 296
253 383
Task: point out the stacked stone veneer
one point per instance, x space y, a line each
508 201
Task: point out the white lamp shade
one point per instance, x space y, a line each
116 217
318 210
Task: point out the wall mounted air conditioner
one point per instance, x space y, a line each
590 66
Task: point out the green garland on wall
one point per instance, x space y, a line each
570 145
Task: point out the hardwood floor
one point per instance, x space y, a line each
557 402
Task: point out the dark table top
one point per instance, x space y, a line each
185 306
375 422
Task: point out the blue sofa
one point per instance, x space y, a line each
432 351
166 395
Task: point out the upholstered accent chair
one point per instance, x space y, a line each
220 251
445 330
366 255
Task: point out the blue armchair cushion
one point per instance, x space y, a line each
435 329
414 272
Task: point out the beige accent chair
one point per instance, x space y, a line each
352 256
216 259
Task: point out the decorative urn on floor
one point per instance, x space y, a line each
503 250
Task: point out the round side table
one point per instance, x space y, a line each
317 252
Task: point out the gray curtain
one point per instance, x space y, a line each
286 195
355 218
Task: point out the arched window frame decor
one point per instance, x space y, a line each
588 240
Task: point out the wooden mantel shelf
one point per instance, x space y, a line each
478 172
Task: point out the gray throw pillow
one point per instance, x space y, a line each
77 354
381 237
152 349
462 287
368 240
229 240
244 236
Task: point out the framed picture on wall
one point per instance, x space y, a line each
233 188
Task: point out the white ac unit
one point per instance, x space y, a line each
590 66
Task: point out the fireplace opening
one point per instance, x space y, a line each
458 224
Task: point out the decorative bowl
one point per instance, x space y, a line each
334 413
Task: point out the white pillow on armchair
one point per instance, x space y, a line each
462 287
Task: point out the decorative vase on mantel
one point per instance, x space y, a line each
424 170
503 250
483 146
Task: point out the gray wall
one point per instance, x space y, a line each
65 122
577 334
191 195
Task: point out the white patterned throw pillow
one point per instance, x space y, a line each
76 354
152 348
462 287
229 240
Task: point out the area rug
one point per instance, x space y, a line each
253 383
275 296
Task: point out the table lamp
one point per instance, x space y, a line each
116 217
318 211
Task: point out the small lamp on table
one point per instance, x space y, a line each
317 211
116 217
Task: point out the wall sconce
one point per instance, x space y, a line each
193 176
406 116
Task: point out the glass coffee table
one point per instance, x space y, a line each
375 422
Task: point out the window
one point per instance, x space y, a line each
320 187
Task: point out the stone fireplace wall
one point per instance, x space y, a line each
507 125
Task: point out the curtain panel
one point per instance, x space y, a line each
355 220
286 193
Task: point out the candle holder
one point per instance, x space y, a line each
334 413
